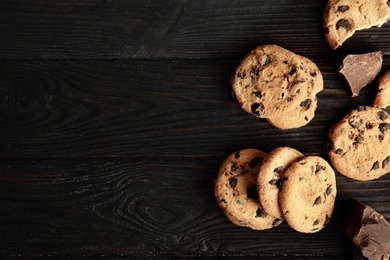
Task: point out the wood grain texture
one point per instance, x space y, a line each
171 29
116 115
64 109
147 207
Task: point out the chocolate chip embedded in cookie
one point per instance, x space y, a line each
269 180
279 85
342 18
358 146
382 99
308 194
236 191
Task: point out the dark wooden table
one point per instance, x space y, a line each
115 116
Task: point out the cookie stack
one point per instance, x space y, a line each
259 191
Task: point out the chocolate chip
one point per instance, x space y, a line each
268 60
237 155
293 70
257 109
255 161
355 121
251 192
306 103
359 139
382 115
327 219
381 137
314 229
276 222
384 127
241 75
315 222
375 166
368 125
313 74
260 213
234 167
328 190
385 162
339 151
317 201
388 3
223 201
343 23
318 168
257 94
233 182
256 70
280 183
273 182
343 8
278 169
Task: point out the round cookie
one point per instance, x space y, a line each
279 85
236 192
342 18
308 194
269 180
382 98
359 145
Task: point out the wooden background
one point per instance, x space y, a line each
115 116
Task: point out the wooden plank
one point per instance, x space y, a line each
63 109
148 207
89 29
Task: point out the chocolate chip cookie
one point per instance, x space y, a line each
342 18
269 180
382 99
278 85
308 194
236 191
359 145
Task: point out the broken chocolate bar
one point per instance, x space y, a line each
361 69
369 233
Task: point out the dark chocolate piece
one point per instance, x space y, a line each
361 69
369 232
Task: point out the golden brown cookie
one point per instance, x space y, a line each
359 145
236 192
279 85
308 194
342 18
382 99
269 180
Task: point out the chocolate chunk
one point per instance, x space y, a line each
384 127
368 232
233 182
317 201
306 103
251 192
342 8
293 70
355 121
278 169
382 115
257 109
375 166
328 190
385 162
361 69
237 155
368 125
343 23
260 213
339 151
257 94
